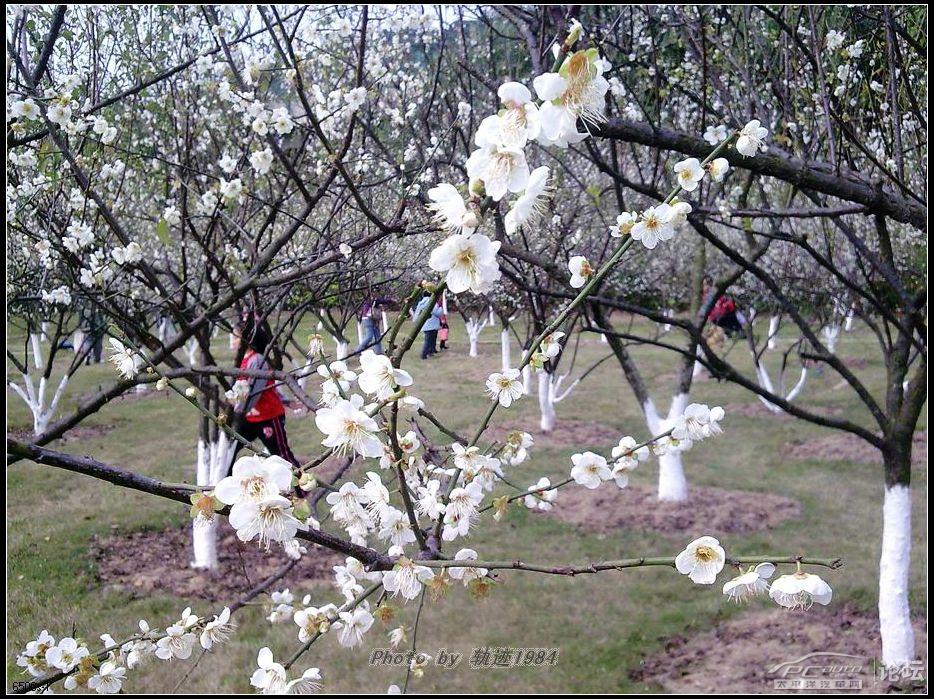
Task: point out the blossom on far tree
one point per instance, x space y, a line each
800 590
589 469
752 583
505 387
581 271
468 261
654 226
702 560
751 138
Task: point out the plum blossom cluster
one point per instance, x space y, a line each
105 671
704 558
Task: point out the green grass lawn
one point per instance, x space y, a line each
602 624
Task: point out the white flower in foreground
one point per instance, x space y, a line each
589 469
702 560
626 458
752 583
469 262
271 678
379 377
109 678
581 271
543 498
33 656
338 371
800 590
718 167
216 630
123 358
406 578
461 510
66 654
529 207
178 642
396 527
25 109
516 449
502 169
348 428
270 519
352 626
689 173
551 345
752 138
624 223
505 387
468 573
697 423
519 121
429 503
654 226
451 212
254 478
397 636
577 90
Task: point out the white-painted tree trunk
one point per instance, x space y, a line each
34 398
385 319
527 379
473 334
898 639
343 348
505 350
45 331
831 333
546 403
669 313
672 483
773 331
848 320
213 464
359 333
231 342
191 351
77 340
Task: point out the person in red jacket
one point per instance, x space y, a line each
263 409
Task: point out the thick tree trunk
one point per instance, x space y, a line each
505 349
773 331
213 464
898 640
546 404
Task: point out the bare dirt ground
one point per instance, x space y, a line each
144 563
741 655
636 508
570 434
840 446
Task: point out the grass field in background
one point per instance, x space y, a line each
602 624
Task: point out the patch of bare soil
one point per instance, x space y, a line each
846 447
82 432
747 654
708 510
143 563
576 434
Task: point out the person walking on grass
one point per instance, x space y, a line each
263 408
370 332
432 325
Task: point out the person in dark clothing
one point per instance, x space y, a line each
723 314
443 333
263 409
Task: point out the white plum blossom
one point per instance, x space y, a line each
654 226
543 498
347 428
698 422
123 358
178 642
528 208
406 578
589 469
429 503
577 90
800 590
461 510
271 677
451 212
378 377
581 271
468 261
689 173
253 479
261 161
66 655
270 519
626 457
718 167
702 560
108 679
751 139
216 630
502 169
351 626
505 387
466 574
624 224
752 583
715 134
